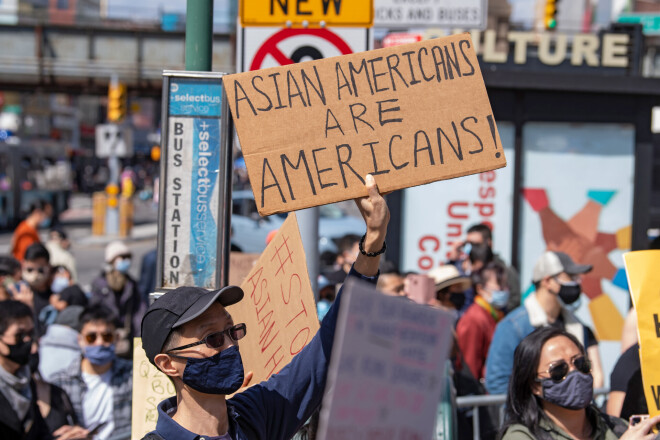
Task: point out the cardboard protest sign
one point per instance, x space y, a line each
240 265
278 308
409 115
150 387
387 367
643 280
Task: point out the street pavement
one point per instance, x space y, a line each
88 249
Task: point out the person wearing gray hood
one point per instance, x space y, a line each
59 347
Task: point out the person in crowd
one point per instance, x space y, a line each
391 283
551 391
348 247
70 296
476 327
450 287
557 280
482 234
7 279
59 246
626 396
53 402
59 346
26 233
100 384
147 282
478 257
326 290
188 335
61 278
20 415
36 273
116 289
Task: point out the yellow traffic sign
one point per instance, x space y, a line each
354 13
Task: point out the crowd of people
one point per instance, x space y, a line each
66 349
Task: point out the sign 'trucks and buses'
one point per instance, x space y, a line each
355 13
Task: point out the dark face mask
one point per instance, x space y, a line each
574 392
457 299
33 362
569 292
20 353
221 373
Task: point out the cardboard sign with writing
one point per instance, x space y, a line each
409 115
387 368
150 387
643 281
278 307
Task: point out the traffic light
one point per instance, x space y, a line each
117 101
550 18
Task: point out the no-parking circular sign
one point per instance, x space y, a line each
262 47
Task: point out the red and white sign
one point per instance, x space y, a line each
262 47
392 40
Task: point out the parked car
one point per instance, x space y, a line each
250 229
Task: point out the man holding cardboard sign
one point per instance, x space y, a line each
188 334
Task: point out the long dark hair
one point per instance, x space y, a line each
522 406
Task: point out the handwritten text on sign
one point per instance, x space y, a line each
386 370
150 387
643 281
278 307
409 115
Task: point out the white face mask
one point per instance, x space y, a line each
33 277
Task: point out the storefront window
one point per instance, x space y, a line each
577 191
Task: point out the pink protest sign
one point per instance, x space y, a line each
387 368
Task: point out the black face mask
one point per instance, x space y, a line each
457 299
33 362
20 353
569 292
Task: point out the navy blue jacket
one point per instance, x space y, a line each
277 408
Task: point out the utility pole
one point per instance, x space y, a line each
199 34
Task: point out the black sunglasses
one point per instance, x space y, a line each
559 370
217 339
92 336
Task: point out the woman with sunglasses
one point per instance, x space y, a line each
551 390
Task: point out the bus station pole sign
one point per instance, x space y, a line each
313 13
194 187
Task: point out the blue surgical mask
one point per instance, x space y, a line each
499 298
221 373
45 223
59 284
100 354
123 265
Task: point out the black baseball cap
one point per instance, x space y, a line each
178 307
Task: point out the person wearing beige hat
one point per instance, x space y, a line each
117 290
557 280
450 286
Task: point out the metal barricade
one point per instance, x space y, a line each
475 402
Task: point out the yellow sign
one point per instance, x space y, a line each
356 13
644 282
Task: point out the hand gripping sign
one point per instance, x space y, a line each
409 115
